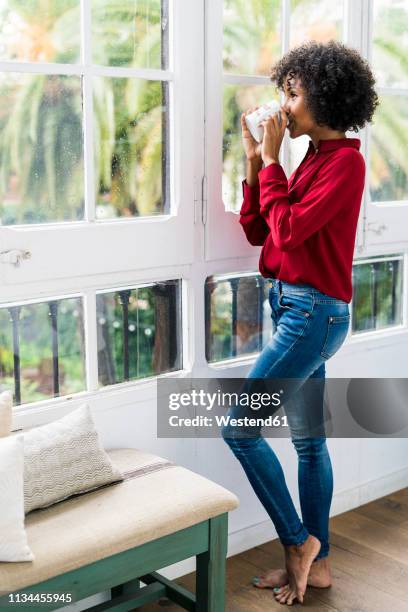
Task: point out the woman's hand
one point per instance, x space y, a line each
252 148
274 131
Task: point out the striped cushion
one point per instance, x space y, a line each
64 458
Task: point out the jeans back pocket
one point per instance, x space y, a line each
337 329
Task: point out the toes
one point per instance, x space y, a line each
290 596
299 595
281 594
283 600
287 595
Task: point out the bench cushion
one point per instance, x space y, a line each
155 499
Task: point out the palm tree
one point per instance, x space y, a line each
41 157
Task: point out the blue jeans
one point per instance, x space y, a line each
309 327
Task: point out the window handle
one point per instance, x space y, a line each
14 256
376 228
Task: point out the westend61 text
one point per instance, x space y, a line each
225 420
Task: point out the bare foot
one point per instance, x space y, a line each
298 562
319 576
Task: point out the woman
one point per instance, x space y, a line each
307 227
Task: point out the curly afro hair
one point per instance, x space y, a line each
338 83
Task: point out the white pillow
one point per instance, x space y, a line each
13 538
6 404
64 458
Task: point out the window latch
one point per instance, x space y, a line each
202 200
376 228
14 256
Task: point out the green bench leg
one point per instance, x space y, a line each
210 569
124 589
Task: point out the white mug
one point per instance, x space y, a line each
264 111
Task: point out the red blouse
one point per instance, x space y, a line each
308 226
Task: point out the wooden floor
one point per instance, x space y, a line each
369 556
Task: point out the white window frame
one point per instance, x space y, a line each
59 250
390 220
72 258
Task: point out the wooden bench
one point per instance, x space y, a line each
112 538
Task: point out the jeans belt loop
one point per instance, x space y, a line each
280 287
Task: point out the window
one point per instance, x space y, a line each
377 30
42 163
98 155
377 294
237 310
387 208
139 332
237 319
121 255
42 348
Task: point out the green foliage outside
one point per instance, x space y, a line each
142 328
36 349
41 153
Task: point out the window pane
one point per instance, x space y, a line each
130 34
320 20
377 295
237 316
131 147
41 165
389 150
139 332
39 31
390 42
238 99
252 40
42 352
